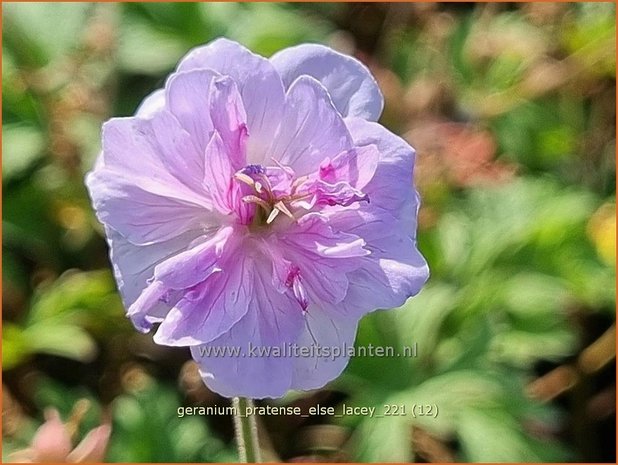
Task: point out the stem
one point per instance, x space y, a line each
245 427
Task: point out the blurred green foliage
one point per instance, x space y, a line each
512 112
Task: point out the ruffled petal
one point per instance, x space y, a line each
340 193
211 308
241 362
311 128
194 265
313 236
392 185
218 176
392 272
323 256
134 268
395 270
351 86
258 82
355 166
389 276
180 272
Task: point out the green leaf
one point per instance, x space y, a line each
525 347
33 33
86 299
64 340
419 320
379 329
491 435
531 294
147 429
146 49
21 146
270 27
591 37
15 347
386 439
452 393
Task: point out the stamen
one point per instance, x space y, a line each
257 200
244 178
281 206
273 215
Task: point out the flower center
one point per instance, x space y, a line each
276 191
273 191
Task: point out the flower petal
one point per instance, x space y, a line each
157 149
92 448
128 205
334 334
134 267
227 194
188 99
323 257
229 119
151 104
392 185
52 442
351 86
395 270
311 128
341 193
273 321
176 275
218 175
258 82
211 308
312 235
194 265
356 166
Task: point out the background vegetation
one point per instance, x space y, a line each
512 110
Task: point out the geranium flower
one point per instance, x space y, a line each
255 202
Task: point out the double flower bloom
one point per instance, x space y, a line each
256 200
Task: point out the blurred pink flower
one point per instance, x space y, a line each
52 443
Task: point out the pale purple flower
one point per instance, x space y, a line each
256 202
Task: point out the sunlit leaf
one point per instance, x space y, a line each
64 340
15 347
21 147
